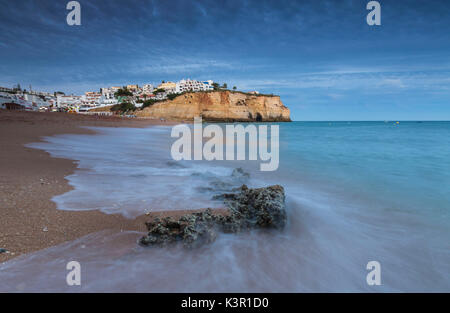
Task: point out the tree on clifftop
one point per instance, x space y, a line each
124 107
172 96
123 92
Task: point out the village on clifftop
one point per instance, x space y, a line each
135 96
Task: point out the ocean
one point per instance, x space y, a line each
355 192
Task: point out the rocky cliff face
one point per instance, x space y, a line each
224 106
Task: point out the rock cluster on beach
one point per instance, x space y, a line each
247 209
255 208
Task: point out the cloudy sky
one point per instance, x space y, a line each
320 56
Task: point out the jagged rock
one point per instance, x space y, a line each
250 208
239 172
192 229
247 209
225 184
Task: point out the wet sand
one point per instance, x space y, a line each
29 178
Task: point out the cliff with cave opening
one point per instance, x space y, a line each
220 106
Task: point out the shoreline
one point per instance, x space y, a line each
30 178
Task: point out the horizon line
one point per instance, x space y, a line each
391 120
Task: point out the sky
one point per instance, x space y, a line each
320 56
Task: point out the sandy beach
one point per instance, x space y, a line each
29 178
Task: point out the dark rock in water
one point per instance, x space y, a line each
192 229
175 164
216 186
239 172
251 208
225 184
247 209
3 250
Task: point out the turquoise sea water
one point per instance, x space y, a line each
405 164
356 192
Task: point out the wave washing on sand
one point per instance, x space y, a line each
309 255
130 171
332 231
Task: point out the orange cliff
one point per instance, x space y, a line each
223 106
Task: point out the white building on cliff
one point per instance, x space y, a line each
186 85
